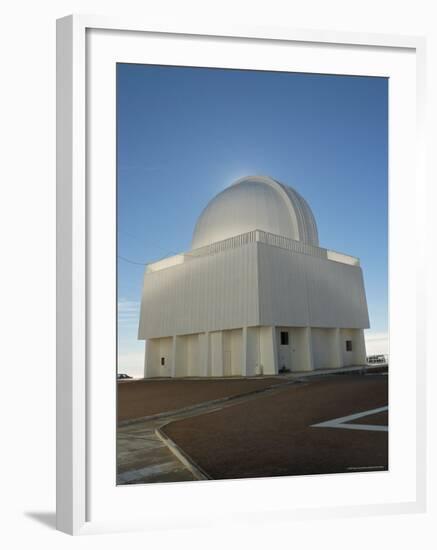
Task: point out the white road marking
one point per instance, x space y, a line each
342 422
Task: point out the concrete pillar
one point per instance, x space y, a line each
192 355
151 362
245 352
306 352
335 351
204 354
268 349
178 367
359 347
236 349
216 344
146 358
250 351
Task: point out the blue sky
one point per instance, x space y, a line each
184 134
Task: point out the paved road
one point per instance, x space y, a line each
331 425
141 398
142 457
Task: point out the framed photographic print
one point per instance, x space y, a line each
240 327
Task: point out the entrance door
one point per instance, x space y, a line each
284 359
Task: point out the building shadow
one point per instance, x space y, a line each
45 518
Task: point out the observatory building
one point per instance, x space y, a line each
255 294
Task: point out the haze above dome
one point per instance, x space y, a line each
256 202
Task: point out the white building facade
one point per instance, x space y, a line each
256 295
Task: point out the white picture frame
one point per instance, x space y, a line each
77 201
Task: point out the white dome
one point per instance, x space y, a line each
256 202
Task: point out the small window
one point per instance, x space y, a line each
348 345
162 361
284 338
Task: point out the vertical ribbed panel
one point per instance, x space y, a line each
282 283
302 290
211 292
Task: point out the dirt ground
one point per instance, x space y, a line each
379 419
272 435
139 398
